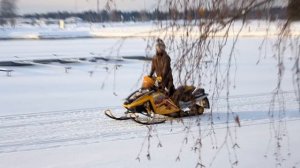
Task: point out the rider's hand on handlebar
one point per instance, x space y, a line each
159 79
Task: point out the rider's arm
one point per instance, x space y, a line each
152 67
167 69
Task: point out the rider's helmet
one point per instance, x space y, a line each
148 82
160 46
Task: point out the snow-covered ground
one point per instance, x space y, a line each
49 118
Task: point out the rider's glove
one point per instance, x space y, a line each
159 79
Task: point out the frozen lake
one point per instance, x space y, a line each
47 87
50 118
43 88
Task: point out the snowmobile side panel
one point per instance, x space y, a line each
140 101
162 104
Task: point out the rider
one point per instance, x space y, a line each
161 66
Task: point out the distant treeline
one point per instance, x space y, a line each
117 16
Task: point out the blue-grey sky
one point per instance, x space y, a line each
42 6
38 6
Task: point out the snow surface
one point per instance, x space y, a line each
50 118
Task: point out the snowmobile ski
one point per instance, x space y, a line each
141 119
109 114
146 120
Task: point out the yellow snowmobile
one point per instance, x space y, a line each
153 103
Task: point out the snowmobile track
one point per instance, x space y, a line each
85 126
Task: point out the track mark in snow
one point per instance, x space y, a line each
85 126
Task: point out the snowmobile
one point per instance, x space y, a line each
151 104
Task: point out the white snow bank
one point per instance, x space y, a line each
105 30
